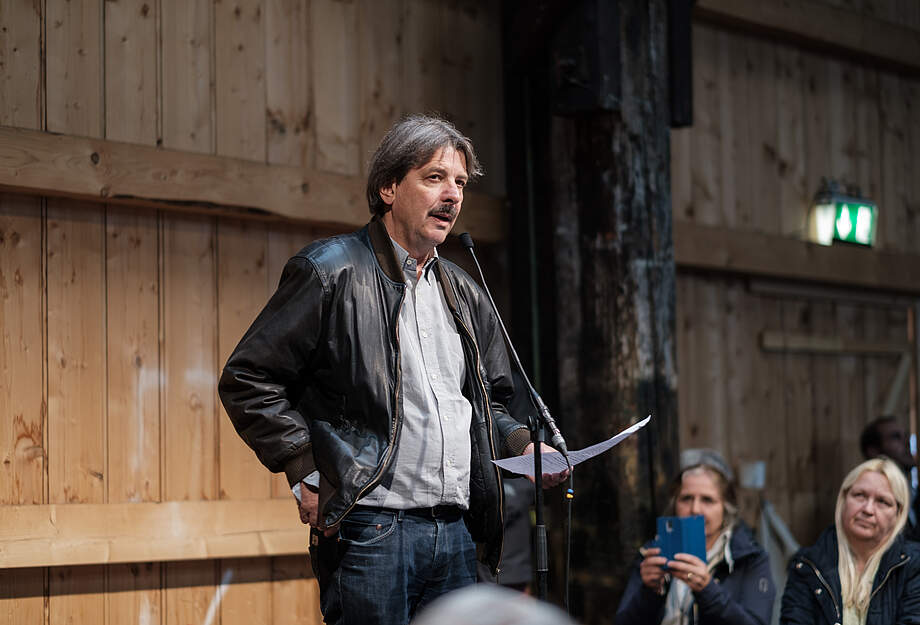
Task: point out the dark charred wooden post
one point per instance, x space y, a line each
601 188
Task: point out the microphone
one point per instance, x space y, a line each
558 442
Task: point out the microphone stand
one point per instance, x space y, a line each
540 545
536 436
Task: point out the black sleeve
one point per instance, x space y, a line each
640 605
268 369
754 604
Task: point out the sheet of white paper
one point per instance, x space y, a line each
555 463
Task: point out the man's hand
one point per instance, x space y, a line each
549 479
309 508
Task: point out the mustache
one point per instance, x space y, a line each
446 210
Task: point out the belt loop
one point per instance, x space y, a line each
399 515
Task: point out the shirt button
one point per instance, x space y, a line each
424 334
434 376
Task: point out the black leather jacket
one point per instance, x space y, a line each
813 595
315 381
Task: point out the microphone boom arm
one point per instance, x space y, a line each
545 416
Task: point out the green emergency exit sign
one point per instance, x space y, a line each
854 222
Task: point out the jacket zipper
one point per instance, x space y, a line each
888 574
396 420
827 587
485 401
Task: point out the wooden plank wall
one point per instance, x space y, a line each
771 119
115 321
902 12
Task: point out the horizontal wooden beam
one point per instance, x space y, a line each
759 254
73 534
820 25
779 341
41 163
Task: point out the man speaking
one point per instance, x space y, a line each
376 378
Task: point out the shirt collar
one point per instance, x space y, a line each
409 264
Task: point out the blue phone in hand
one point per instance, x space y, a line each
681 535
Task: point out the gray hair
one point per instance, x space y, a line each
411 143
489 604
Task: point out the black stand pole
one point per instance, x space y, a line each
540 549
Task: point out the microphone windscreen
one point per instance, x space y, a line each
466 240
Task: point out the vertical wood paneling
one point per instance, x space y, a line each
703 368
187 303
912 97
295 593
380 41
76 389
186 69
20 65
188 396
22 596
897 168
77 594
133 593
336 85
763 192
827 398
706 162
21 351
288 84
249 599
794 196
131 71
815 107
22 389
421 82
76 353
842 120
851 388
189 590
731 135
74 67
868 157
799 409
132 358
239 43
132 362
190 366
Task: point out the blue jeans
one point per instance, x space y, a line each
385 565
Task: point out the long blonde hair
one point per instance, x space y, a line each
856 588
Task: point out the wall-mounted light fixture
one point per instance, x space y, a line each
839 214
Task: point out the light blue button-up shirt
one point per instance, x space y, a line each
432 463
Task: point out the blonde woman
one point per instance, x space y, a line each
861 571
